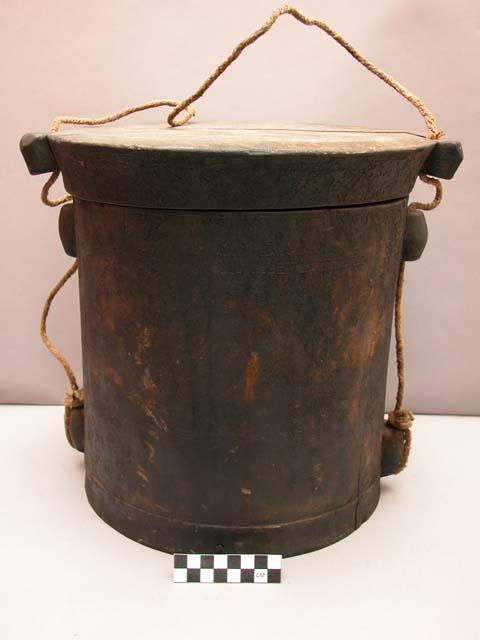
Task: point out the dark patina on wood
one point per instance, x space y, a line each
444 159
237 289
66 229
416 235
75 428
37 153
238 167
393 441
235 371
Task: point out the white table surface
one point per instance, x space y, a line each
411 571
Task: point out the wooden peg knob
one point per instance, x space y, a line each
75 427
37 153
66 229
415 236
393 443
444 159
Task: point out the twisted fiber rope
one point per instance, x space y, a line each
399 418
118 115
429 118
184 105
74 397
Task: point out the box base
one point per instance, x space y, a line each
286 538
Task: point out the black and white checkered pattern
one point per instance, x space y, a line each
203 567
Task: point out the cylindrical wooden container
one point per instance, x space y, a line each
236 292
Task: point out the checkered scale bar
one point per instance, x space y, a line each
203 567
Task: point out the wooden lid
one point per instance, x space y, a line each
238 166
245 137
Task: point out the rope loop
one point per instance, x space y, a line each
428 206
118 115
189 113
45 192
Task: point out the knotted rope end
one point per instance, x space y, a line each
436 134
401 419
74 419
74 399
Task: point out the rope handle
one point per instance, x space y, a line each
429 118
185 105
433 132
399 418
